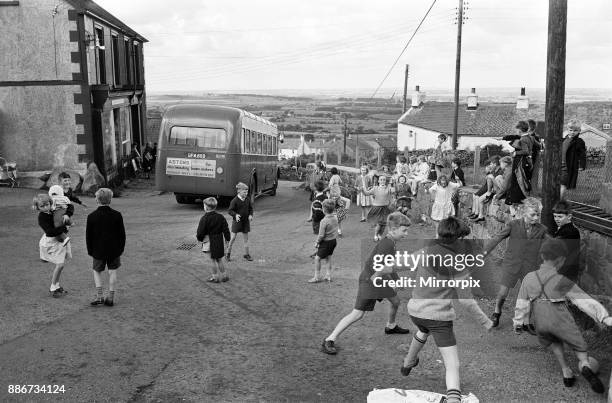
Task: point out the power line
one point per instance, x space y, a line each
278 60
283 58
405 47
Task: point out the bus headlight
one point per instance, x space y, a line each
220 170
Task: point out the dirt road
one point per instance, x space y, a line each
174 337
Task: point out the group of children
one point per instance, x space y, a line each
542 303
546 266
104 235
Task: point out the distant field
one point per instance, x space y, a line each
323 116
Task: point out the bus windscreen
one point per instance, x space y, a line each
202 137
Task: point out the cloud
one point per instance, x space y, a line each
243 44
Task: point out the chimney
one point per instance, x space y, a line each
522 102
472 100
418 97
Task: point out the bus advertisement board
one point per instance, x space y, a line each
201 168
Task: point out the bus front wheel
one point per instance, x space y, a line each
180 199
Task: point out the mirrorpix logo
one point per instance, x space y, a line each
405 261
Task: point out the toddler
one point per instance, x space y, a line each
62 209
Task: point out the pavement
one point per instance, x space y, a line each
174 337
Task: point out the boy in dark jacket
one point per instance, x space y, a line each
214 226
570 235
241 210
105 238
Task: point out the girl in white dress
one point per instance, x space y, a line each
363 182
443 206
381 198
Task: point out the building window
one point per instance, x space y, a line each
116 65
100 56
137 64
128 62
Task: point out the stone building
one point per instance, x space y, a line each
71 86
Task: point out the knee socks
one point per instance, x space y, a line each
453 396
499 304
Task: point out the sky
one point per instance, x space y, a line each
234 45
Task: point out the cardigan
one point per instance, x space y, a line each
45 221
436 302
105 234
242 207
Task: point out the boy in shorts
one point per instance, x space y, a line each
241 210
543 296
105 239
431 307
326 241
368 294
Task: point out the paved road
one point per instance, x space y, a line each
174 337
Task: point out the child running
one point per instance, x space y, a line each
50 248
241 210
214 226
525 236
544 293
431 308
380 205
368 294
326 241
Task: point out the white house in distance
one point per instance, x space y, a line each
481 124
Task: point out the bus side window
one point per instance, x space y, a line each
247 139
265 144
243 141
259 144
253 142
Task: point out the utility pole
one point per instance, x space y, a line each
356 150
555 101
345 132
457 73
405 88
